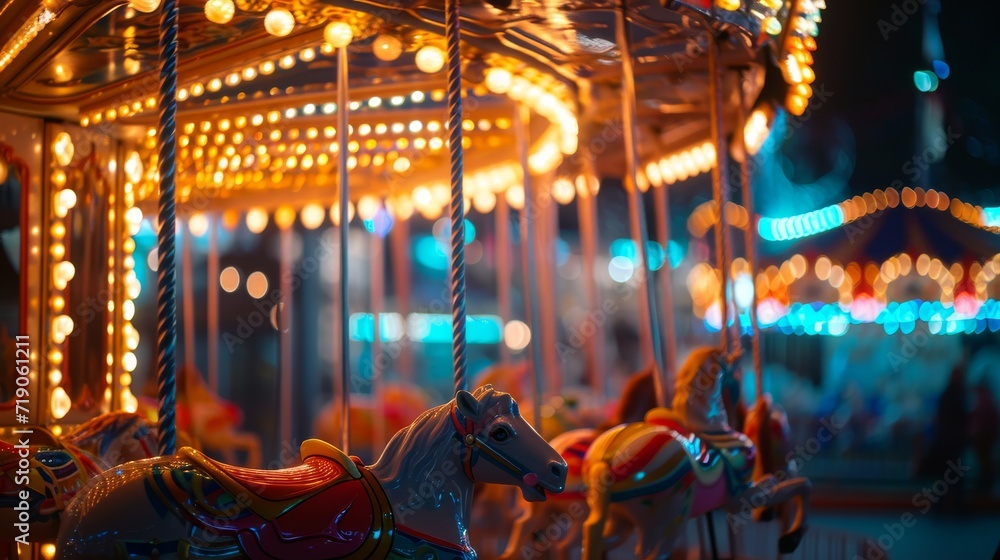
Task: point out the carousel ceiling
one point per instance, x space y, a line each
262 86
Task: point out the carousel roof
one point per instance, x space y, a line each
256 92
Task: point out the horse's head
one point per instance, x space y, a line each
502 448
708 381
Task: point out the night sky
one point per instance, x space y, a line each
871 78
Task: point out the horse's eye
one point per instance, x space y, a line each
500 434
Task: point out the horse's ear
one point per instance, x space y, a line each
467 404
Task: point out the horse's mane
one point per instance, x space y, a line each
638 398
417 450
110 424
692 377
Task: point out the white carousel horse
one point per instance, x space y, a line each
413 502
678 464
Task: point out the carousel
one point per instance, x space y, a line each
291 280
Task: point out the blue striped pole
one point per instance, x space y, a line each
166 281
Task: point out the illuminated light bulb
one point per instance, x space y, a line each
563 190
430 59
134 167
55 377
128 400
499 80
515 197
796 104
64 271
129 361
279 22
401 165
58 251
772 26
335 213
257 285
730 5
198 224
387 47
368 206
307 55
133 216
284 217
63 148
59 403
58 230
312 216
144 6
256 220
338 33
62 324
484 201
220 11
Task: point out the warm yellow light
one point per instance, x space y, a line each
279 22
430 59
129 361
368 207
387 47
63 148
284 217
338 33
64 271
498 80
59 403
257 285
144 6
220 11
515 197
312 216
335 213
516 335
256 220
198 224
229 279
563 190
484 201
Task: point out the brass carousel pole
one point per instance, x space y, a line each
502 248
212 287
455 152
166 280
587 212
400 247
344 396
662 200
284 322
637 216
378 382
187 285
720 190
531 297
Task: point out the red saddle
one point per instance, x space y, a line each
328 507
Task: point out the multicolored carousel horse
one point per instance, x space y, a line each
677 464
52 470
413 502
553 527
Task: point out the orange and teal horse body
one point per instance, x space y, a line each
678 463
552 528
414 502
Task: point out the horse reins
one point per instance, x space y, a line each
473 443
